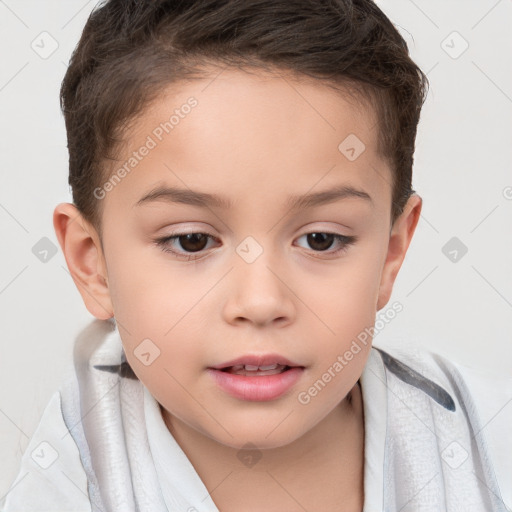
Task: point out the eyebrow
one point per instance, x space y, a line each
294 202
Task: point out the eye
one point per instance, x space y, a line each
321 241
193 242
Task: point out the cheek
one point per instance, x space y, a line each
166 353
348 302
146 291
348 307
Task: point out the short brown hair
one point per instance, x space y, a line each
132 49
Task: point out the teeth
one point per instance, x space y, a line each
243 369
253 368
268 367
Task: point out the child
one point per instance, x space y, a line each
239 375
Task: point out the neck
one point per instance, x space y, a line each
334 448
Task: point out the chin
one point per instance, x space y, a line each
260 439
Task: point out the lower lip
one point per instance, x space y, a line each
258 388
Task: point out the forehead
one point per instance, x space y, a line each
236 134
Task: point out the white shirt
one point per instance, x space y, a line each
120 456
493 396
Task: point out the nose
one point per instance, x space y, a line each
259 293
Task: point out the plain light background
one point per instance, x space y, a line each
455 304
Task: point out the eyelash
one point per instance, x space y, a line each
163 243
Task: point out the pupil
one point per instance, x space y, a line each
193 242
315 238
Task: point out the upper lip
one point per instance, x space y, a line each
256 360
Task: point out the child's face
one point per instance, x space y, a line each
260 284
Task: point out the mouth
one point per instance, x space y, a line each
249 370
257 377
257 364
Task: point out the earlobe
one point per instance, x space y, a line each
399 240
82 250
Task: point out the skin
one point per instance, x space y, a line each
254 139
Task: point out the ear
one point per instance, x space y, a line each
399 240
82 249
